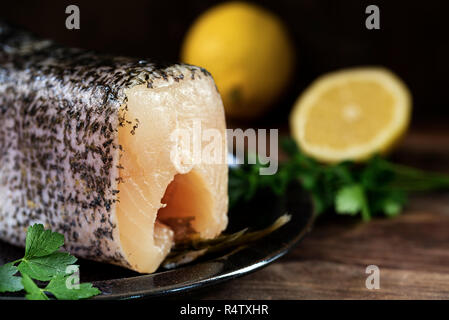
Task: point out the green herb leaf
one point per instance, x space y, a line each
33 291
375 187
40 242
390 203
9 282
392 208
350 200
62 288
43 261
46 267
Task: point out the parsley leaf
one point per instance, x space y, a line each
9 282
390 203
40 242
372 188
33 291
61 287
43 261
44 268
351 200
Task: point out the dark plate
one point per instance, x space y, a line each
120 283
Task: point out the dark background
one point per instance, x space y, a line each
413 40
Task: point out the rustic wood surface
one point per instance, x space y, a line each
412 250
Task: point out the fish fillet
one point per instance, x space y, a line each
85 149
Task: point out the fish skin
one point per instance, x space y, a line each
59 151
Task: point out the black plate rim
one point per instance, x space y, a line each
237 273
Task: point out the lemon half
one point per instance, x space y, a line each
351 114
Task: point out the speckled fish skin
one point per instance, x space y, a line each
59 114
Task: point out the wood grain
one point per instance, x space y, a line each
412 250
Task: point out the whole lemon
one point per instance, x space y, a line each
248 52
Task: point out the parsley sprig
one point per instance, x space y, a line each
44 262
378 187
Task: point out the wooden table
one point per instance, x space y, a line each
411 251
